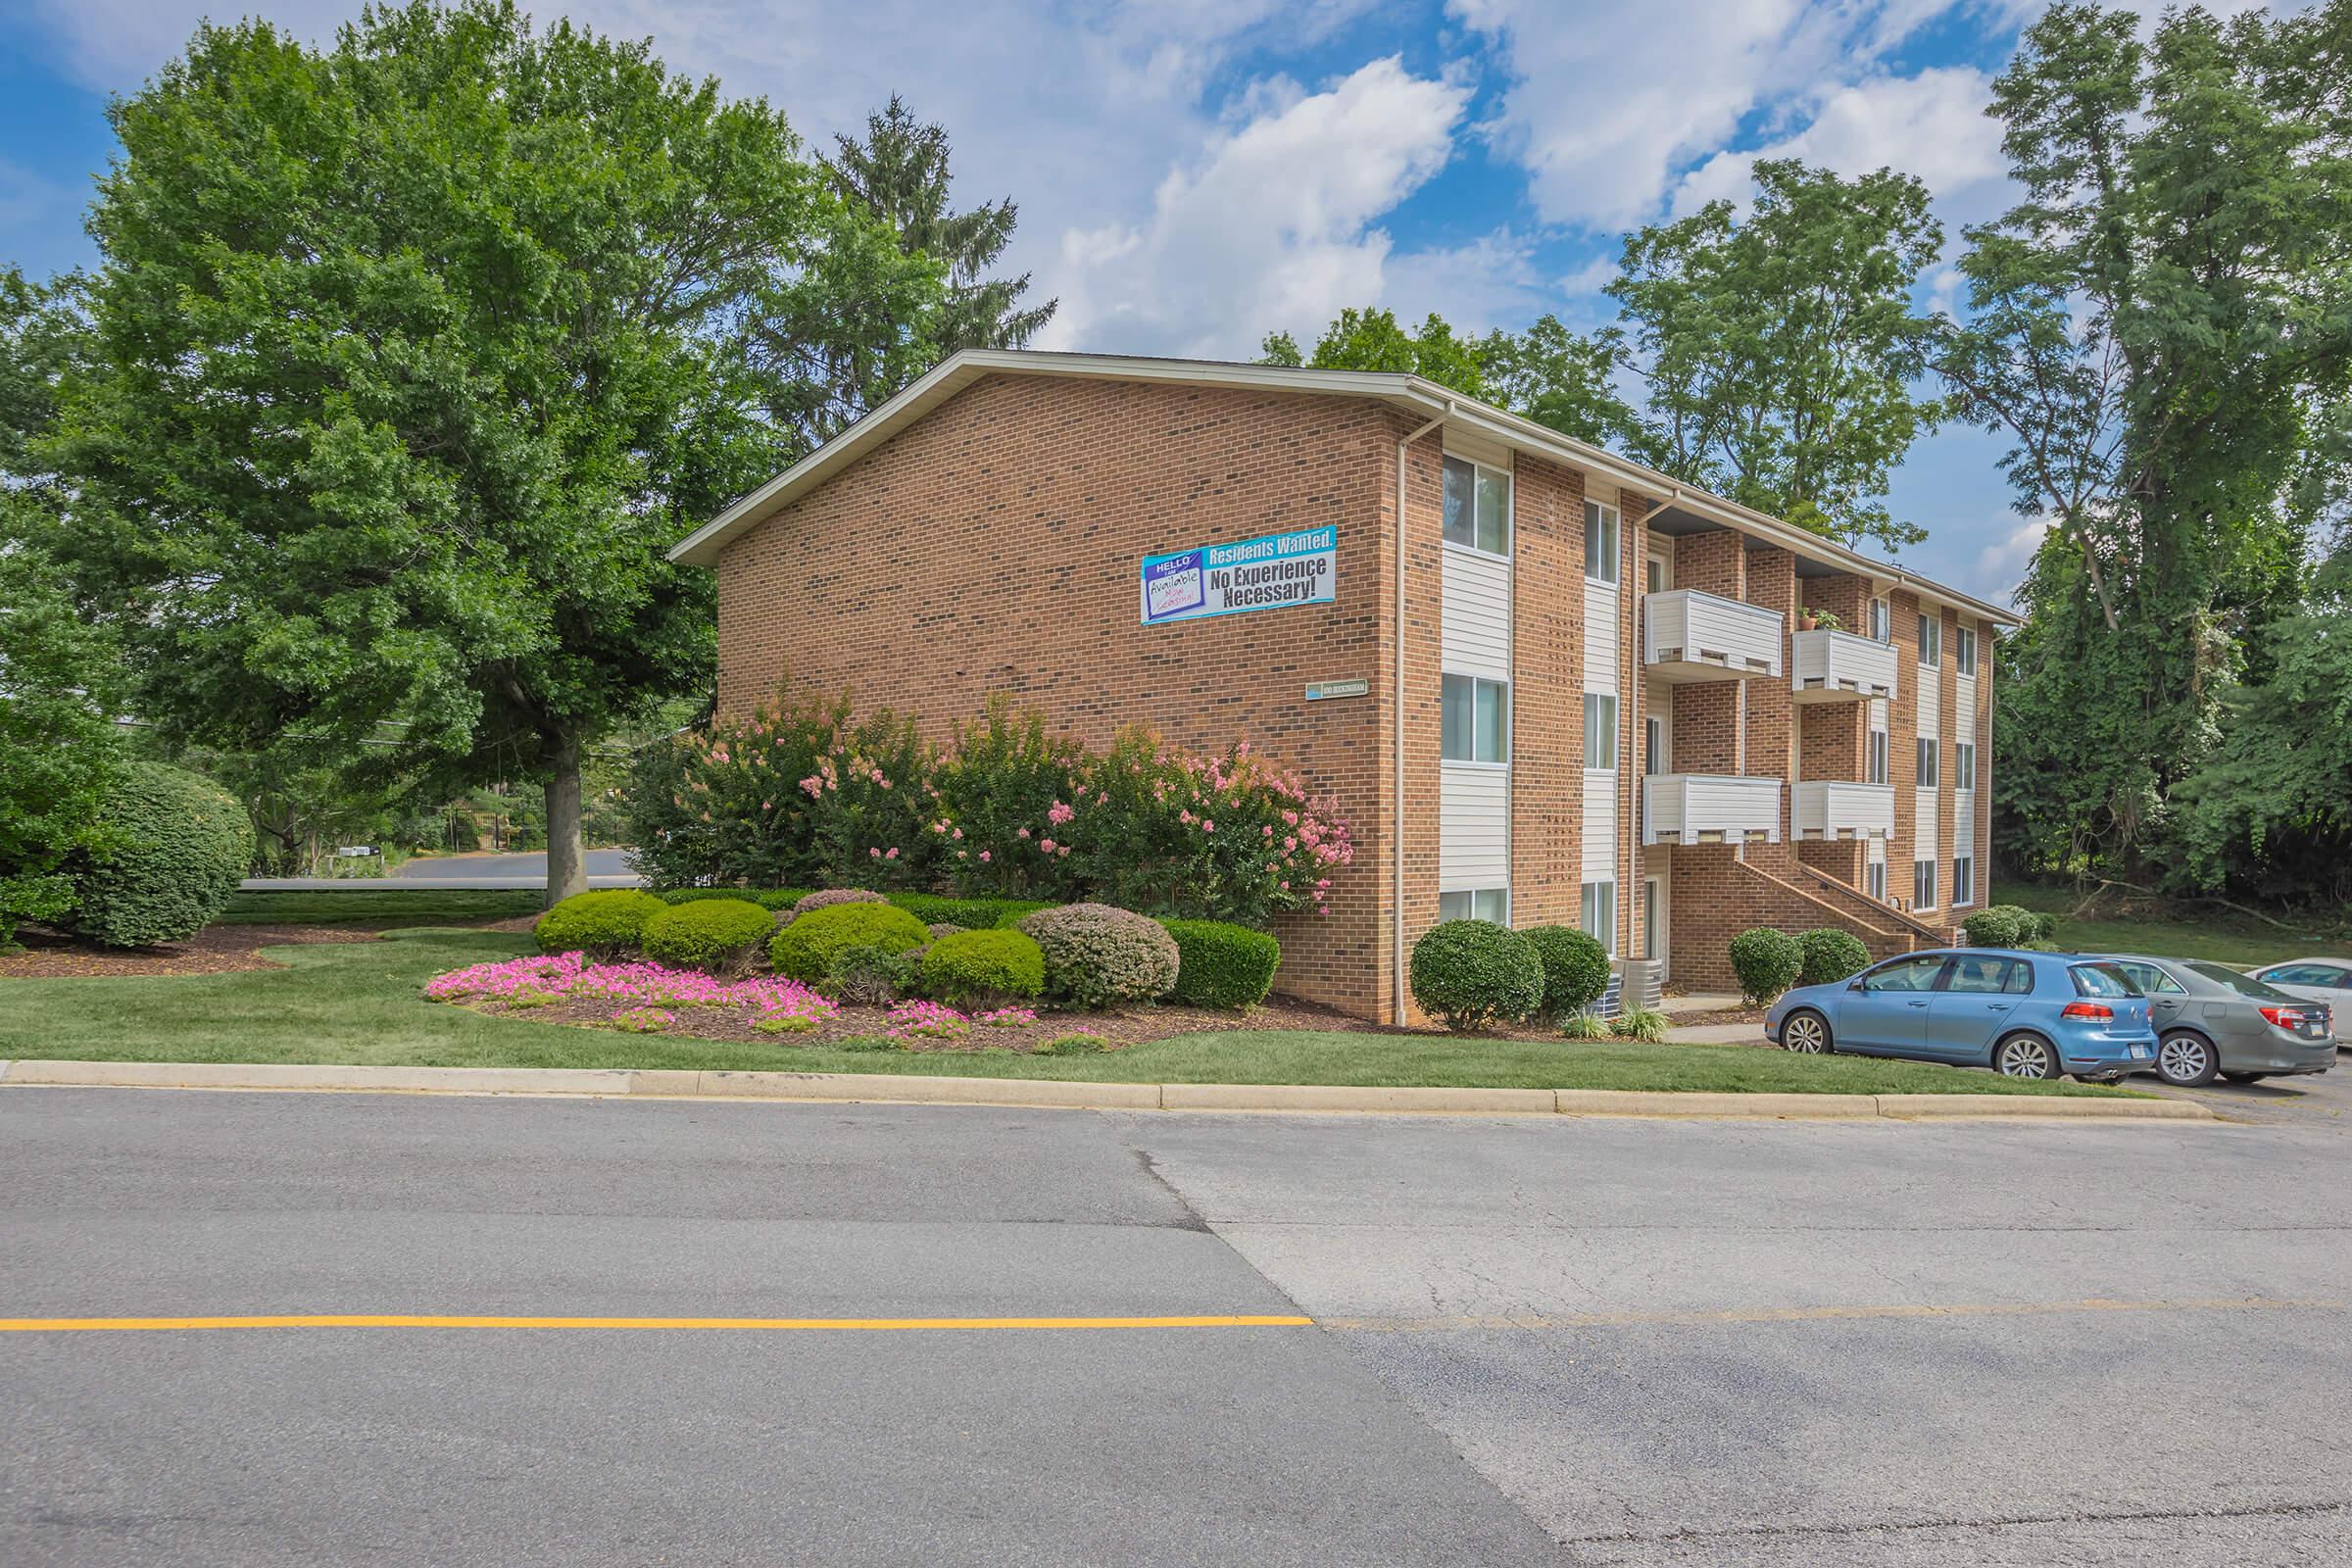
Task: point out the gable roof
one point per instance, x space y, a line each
1422 399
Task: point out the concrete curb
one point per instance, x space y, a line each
1056 1094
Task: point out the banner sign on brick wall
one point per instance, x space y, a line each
1268 573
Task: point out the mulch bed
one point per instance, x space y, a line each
1712 1014
216 949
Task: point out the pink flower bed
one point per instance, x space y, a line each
534 981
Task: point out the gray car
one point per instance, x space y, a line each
2212 1021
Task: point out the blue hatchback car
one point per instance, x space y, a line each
2023 1014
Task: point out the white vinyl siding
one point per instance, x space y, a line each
1601 826
1474 629
1604 677
1474 838
1473 791
1931 706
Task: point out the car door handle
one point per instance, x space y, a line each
2000 1006
1914 1003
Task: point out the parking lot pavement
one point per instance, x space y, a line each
2321 1100
1533 1340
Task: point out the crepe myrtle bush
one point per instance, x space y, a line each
1766 961
606 923
1099 957
1829 955
1474 973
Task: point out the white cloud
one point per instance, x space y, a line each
2001 566
1272 224
1607 103
1933 126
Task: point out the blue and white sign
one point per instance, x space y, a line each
1267 573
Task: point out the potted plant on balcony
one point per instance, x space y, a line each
1811 620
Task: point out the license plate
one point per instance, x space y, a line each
2139 1052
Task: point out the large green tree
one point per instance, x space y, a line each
2163 329
900 173
1779 349
414 355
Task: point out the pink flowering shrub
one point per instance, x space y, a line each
926 1020
1007 1019
536 981
1001 775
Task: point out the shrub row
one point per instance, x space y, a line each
2005 925
1768 962
1475 973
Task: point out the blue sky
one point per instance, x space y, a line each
1192 175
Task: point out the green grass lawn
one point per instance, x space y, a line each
2209 932
358 1003
374 904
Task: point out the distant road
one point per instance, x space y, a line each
606 868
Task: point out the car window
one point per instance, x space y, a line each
1905 974
1984 976
2102 980
2149 978
2326 975
2245 985
2019 979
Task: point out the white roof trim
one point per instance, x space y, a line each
1426 399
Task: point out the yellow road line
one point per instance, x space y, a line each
1808 1314
420 1320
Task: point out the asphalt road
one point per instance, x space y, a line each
1535 1340
606 868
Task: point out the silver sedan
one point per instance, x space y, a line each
2213 1021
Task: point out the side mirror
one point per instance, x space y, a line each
1854 985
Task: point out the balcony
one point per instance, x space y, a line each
1840 808
1690 636
1707 809
1838 667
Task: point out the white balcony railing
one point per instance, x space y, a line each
1838 667
1689 635
1841 808
1705 809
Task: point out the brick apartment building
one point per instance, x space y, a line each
1568 690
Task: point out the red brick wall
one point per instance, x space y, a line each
1547 685
994 547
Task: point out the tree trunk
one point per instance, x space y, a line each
567 856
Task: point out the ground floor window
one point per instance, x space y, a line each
1649 920
1474 720
1922 884
1599 914
1964 879
1479 904
1874 880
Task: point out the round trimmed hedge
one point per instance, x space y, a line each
604 925
1767 962
804 950
975 966
1220 965
721 935
1098 957
1576 968
1472 973
181 845
1829 955
826 899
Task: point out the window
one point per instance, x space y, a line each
2150 979
1601 730
1600 542
1650 919
1874 880
1964 879
1964 765
1922 884
1478 506
2102 980
1882 621
1964 651
1931 640
1653 745
1660 575
1990 977
1878 756
2319 976
2245 985
1927 763
1475 720
1598 916
1905 974
1482 904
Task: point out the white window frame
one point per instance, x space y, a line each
1874 880
1930 640
1503 894
1922 884
1881 621
1474 761
1609 767
1879 758
1510 525
1964 765
1658 574
1964 880
1927 771
1964 650
1600 518
1653 745
1604 893
1650 889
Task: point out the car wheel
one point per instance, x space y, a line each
1807 1033
2245 1077
2025 1057
2187 1061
